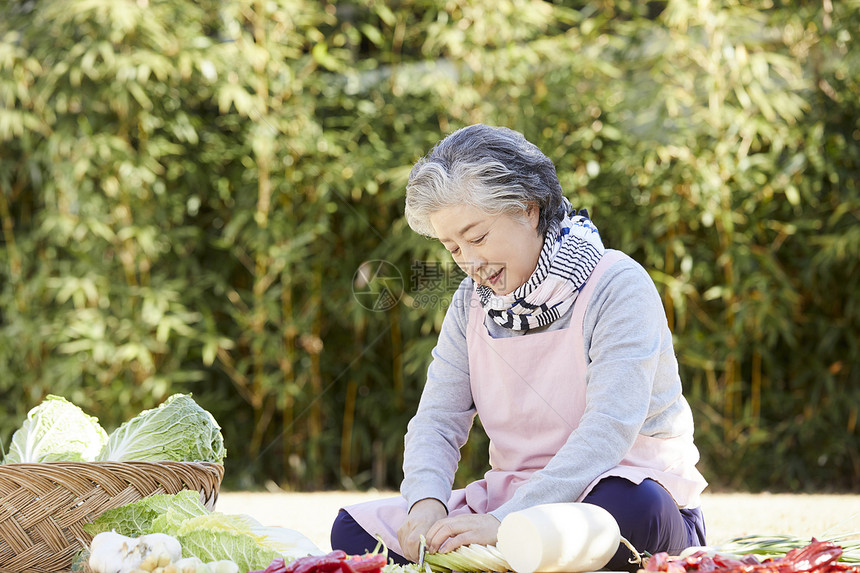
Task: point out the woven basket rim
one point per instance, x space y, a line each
99 462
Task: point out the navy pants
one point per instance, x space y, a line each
646 514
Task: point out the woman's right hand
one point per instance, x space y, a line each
421 517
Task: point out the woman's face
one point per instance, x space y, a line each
498 251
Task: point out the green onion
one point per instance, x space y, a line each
775 546
468 559
393 567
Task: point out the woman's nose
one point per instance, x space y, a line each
471 262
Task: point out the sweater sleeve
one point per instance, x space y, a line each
445 413
625 329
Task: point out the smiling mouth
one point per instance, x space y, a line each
493 279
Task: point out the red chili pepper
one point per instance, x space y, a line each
656 561
335 562
368 563
817 557
663 562
813 556
317 563
844 568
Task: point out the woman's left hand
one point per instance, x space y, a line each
451 532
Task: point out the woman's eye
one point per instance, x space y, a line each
479 240
454 251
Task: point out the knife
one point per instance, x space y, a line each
422 549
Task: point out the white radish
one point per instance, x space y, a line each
570 537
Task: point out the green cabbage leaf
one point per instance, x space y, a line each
137 518
216 545
57 430
209 536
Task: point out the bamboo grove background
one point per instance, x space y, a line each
206 196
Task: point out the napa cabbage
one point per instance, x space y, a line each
57 430
177 430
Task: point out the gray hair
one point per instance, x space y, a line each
494 169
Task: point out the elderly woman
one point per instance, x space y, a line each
560 346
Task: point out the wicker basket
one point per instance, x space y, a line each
43 507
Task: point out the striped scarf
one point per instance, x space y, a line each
571 250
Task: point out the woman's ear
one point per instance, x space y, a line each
533 215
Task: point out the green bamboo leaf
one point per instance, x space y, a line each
373 34
139 95
321 56
385 14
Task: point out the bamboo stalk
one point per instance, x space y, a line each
263 417
263 159
347 430
289 373
396 355
315 417
262 260
15 265
756 382
380 465
257 387
669 269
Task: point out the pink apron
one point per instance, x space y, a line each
530 398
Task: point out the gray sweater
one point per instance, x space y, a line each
632 380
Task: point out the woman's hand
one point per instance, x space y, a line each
450 533
421 517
